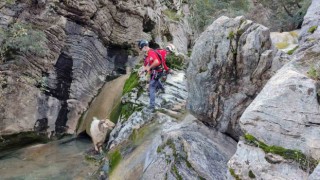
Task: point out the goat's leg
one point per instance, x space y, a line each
96 148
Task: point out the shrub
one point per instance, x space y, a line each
204 12
175 61
21 38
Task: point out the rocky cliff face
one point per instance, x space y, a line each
285 116
230 63
279 15
88 42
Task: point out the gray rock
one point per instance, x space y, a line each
173 100
230 63
286 113
312 18
189 150
316 174
248 158
77 61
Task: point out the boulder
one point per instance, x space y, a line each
230 63
286 115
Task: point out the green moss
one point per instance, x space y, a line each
282 45
251 175
16 141
131 82
249 137
114 159
292 50
189 53
170 143
115 113
176 172
313 73
296 155
203 69
128 109
201 178
240 32
231 35
234 174
312 29
188 164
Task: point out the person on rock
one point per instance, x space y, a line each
155 65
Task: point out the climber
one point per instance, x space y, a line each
154 64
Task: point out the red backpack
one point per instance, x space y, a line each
162 53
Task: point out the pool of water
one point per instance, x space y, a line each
64 159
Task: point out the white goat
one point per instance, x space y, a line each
98 131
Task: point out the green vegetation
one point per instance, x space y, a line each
234 174
176 172
131 82
293 33
230 35
42 83
175 61
10 2
189 53
124 111
116 112
172 14
205 12
296 155
128 109
21 38
292 50
114 159
251 175
178 157
282 45
312 29
314 73
203 69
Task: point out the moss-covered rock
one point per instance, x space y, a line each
15 141
304 161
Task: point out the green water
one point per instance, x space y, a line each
62 159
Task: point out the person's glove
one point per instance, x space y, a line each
168 72
164 78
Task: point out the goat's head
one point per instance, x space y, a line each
106 124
